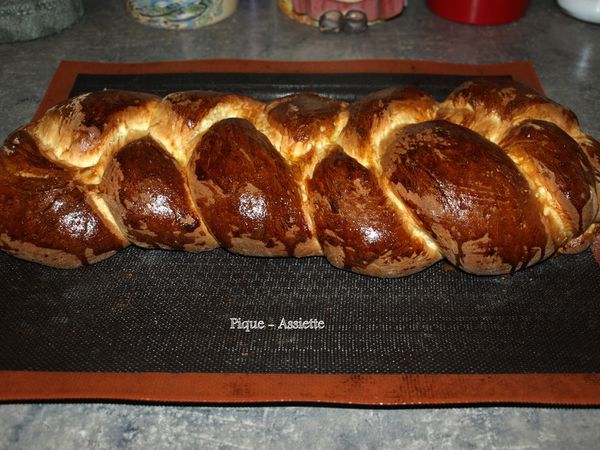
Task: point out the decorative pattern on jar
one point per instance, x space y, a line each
181 14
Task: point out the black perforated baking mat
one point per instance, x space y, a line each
168 311
159 311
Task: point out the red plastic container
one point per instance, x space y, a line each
479 12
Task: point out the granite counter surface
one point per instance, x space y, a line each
566 54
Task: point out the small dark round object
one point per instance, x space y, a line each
331 21
355 21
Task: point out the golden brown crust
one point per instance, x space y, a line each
491 106
246 191
83 131
375 116
559 169
148 192
182 117
495 178
303 126
468 195
591 148
46 216
358 226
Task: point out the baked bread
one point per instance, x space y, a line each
495 178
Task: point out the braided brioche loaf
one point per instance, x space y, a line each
494 179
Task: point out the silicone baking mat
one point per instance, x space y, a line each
216 327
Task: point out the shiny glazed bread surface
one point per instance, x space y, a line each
495 178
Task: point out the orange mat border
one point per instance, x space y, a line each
372 390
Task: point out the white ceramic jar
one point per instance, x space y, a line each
588 10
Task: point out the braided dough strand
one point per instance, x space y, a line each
495 178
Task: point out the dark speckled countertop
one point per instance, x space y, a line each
566 55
